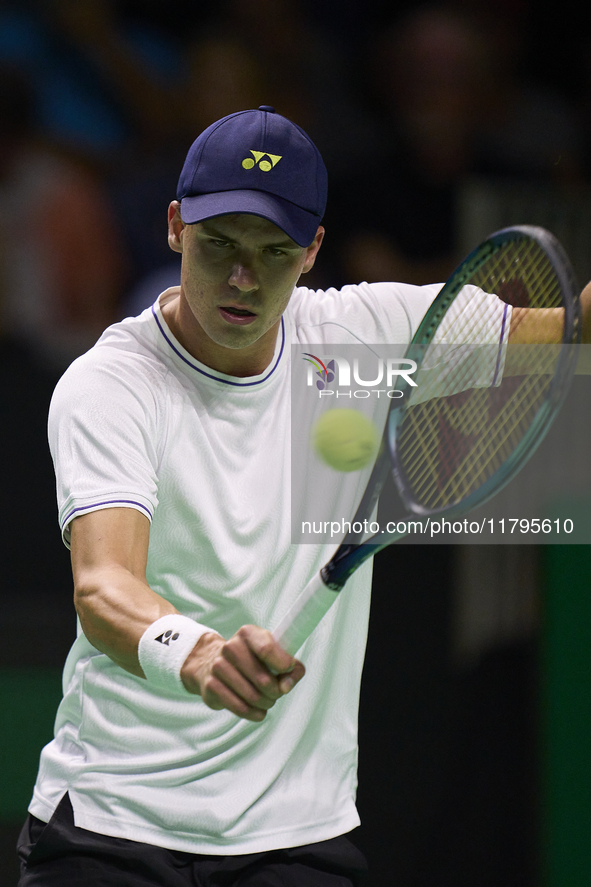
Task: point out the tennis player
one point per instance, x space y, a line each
189 748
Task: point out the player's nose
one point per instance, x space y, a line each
243 278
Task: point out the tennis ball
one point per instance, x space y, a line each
345 439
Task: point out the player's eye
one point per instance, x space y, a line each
218 243
275 251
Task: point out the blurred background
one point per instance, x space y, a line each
439 123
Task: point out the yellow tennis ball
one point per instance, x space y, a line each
345 439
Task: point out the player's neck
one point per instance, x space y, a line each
240 362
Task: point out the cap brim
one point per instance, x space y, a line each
297 223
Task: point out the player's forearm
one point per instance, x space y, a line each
543 326
536 326
245 675
115 609
586 312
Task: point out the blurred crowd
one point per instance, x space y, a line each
99 103
100 100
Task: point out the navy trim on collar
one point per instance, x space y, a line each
217 378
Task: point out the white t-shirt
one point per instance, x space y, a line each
138 422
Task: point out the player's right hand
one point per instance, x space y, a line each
246 674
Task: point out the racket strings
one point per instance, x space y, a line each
461 448
449 446
521 274
469 461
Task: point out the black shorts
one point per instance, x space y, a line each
58 854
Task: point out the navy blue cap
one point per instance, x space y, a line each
256 162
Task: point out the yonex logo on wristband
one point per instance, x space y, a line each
162 667
167 636
263 165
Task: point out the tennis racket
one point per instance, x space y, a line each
452 445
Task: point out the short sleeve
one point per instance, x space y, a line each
469 348
369 313
104 429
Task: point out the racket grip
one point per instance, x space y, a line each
304 615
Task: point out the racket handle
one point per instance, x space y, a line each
304 615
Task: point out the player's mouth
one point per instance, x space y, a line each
236 315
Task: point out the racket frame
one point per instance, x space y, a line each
324 587
562 374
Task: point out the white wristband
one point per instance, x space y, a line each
163 648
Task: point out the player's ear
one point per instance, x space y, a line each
312 250
175 227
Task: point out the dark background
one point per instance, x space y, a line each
452 780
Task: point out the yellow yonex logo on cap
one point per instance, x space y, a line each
264 165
